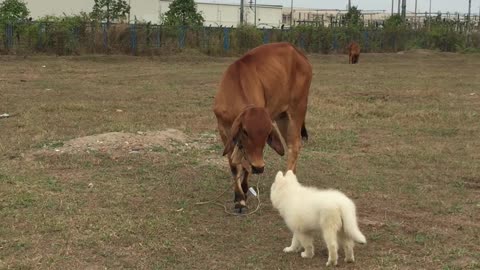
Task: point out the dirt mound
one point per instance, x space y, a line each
169 141
123 142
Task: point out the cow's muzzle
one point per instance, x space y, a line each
257 170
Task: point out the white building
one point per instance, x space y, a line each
327 16
215 14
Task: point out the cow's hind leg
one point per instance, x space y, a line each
282 124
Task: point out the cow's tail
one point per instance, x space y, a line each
304 132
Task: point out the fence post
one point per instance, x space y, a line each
335 45
159 29
133 38
105 36
365 35
394 42
39 42
181 37
206 37
8 36
302 41
76 34
266 37
226 38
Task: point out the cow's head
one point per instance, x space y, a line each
250 131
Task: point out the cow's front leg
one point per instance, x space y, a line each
294 145
240 195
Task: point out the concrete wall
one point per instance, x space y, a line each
217 14
41 8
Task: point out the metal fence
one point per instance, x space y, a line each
135 39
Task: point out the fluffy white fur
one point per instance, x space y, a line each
307 210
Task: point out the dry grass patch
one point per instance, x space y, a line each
398 133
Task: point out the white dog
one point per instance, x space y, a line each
307 209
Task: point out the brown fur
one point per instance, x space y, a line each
353 53
268 84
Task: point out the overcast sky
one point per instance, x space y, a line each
437 5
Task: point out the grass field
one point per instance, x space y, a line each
104 158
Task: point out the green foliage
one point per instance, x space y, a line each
12 11
246 37
353 18
393 22
110 10
444 37
80 34
183 12
63 33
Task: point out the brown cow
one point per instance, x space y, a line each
353 52
268 84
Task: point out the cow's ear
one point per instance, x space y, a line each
275 142
233 136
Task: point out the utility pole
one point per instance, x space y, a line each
398 9
393 3
241 11
404 9
469 10
349 4
430 9
291 14
128 15
255 17
415 13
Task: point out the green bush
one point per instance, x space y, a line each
78 34
245 37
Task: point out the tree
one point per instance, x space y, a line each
183 12
394 21
354 17
13 11
110 10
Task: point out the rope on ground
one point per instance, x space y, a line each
214 201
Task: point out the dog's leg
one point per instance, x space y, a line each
347 245
348 248
307 243
330 237
295 246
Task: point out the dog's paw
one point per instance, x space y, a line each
331 263
306 255
289 249
349 260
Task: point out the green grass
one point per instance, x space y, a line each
397 133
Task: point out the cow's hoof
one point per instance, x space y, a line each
241 207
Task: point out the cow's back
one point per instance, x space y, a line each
265 76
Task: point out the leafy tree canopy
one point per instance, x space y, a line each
13 11
183 12
110 10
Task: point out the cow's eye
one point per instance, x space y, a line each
245 132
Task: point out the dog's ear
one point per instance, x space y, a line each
289 173
234 133
275 142
279 175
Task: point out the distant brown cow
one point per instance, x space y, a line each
268 84
353 53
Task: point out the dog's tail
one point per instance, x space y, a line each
350 226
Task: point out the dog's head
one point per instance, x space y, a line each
279 185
